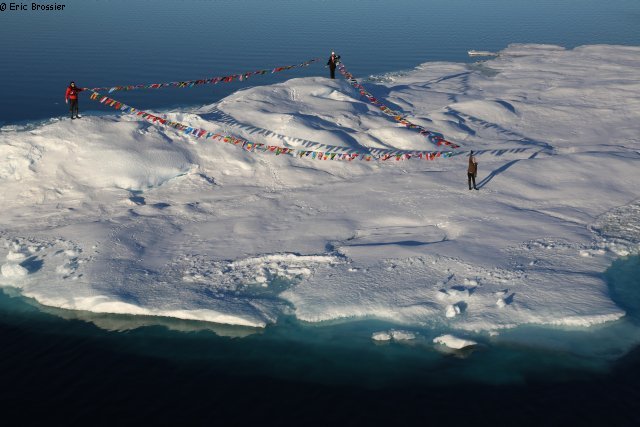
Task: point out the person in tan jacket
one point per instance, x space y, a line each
472 170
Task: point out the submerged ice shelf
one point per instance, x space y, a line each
113 215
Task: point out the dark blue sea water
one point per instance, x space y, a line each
70 371
61 367
117 42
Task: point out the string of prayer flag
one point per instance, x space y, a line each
322 152
397 116
212 80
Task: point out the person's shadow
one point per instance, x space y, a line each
501 169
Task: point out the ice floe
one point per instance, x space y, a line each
115 215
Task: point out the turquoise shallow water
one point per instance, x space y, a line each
624 286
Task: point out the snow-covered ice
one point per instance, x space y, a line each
454 342
116 215
395 335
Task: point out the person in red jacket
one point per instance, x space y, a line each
71 97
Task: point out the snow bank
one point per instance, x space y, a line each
115 215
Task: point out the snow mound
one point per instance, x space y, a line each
12 271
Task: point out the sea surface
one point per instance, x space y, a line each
100 43
83 368
80 368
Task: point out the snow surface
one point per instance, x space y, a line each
116 215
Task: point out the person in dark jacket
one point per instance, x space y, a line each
472 171
71 97
334 60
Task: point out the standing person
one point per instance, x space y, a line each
334 60
472 170
72 95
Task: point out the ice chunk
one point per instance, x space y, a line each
453 342
452 310
402 335
395 335
381 336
